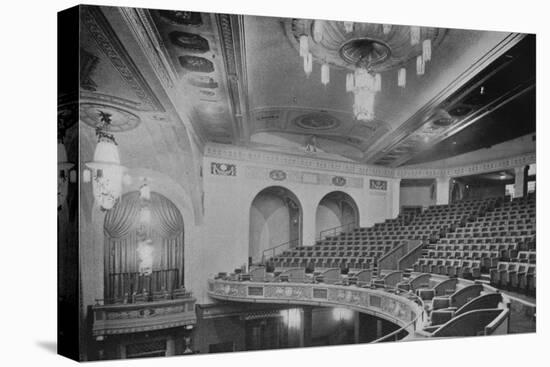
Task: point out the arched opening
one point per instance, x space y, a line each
275 219
144 248
336 209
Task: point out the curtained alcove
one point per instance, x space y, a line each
144 248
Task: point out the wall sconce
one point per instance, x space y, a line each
106 171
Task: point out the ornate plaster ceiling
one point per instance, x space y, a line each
240 80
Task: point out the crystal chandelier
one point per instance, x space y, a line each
106 171
365 49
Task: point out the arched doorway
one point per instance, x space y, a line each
336 209
144 247
275 219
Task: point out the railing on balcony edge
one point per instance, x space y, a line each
337 230
279 249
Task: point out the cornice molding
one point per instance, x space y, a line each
469 169
141 24
99 28
290 160
232 44
146 34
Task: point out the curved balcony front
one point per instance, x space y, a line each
403 309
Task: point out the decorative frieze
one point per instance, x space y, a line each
310 178
140 317
318 164
378 185
390 306
295 161
223 169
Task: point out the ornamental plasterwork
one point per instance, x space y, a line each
397 308
312 178
288 160
94 20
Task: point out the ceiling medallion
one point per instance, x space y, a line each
119 118
196 64
189 41
316 121
366 50
186 18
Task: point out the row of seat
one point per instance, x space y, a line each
468 269
516 276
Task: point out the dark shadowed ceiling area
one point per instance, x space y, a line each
512 81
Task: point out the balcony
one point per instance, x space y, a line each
139 315
399 309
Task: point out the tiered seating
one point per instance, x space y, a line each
361 248
495 243
358 249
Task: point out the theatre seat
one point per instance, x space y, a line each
484 301
457 299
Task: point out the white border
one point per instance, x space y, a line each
28 181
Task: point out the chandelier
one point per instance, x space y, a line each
366 51
145 249
106 171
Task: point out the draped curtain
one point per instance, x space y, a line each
122 237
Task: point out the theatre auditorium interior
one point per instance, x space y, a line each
235 183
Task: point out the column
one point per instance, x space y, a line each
170 347
520 184
379 328
309 233
356 327
394 204
442 189
307 322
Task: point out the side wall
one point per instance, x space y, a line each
230 186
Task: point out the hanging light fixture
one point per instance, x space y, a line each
427 50
318 28
349 82
402 77
420 65
365 53
348 27
364 94
145 191
63 169
415 35
308 64
325 74
304 45
106 170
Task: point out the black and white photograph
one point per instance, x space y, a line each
236 183
275 183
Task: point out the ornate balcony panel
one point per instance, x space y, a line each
395 308
145 316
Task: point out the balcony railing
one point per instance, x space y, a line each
331 232
402 310
279 249
159 311
122 287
